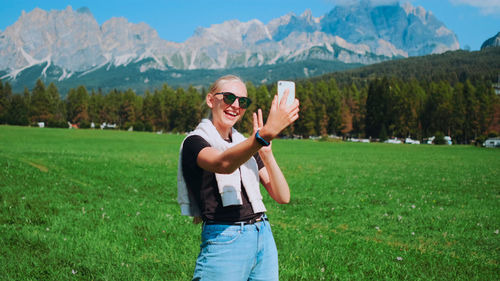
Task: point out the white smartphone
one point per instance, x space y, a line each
282 86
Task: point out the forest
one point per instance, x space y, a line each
393 99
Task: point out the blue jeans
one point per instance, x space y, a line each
237 252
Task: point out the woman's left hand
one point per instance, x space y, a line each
258 123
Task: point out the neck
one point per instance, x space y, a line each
224 132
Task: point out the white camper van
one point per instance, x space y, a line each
493 142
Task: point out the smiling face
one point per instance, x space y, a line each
224 116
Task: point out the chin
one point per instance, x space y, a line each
230 120
230 123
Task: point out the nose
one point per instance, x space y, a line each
236 103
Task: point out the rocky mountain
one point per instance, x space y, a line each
59 45
492 42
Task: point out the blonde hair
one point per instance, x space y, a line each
219 82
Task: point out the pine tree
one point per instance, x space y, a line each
263 99
5 99
148 111
77 103
39 111
18 111
96 106
110 113
382 135
471 129
458 113
307 126
171 104
193 109
487 102
178 107
160 120
376 107
323 121
56 109
413 103
358 109
129 108
334 107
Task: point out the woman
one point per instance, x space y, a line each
218 180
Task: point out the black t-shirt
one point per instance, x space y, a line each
203 187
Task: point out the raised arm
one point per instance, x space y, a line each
226 162
273 179
271 176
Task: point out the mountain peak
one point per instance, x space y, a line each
376 3
366 3
408 7
36 12
407 28
84 10
419 11
492 42
306 14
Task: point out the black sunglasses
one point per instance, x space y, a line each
229 99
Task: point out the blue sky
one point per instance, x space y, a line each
473 21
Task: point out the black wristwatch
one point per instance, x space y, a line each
262 141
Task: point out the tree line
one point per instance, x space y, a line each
451 66
381 108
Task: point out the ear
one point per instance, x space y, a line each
210 100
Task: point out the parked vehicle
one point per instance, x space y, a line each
446 138
493 142
411 141
395 141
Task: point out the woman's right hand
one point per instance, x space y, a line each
280 116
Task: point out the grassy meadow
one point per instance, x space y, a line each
101 205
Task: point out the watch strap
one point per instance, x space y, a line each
262 141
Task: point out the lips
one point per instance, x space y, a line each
232 114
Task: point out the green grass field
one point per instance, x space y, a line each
101 205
